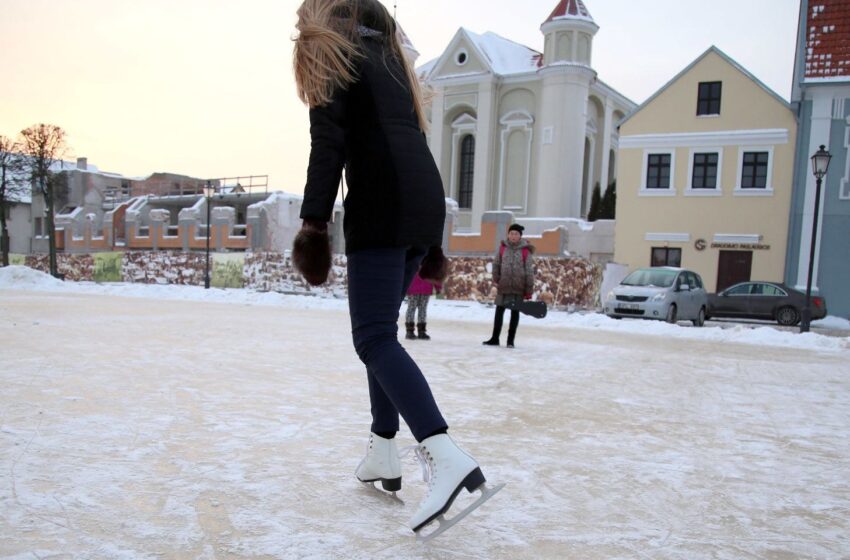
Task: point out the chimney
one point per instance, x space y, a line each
82 163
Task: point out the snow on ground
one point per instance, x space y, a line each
142 422
20 277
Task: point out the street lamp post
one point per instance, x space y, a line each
209 191
820 165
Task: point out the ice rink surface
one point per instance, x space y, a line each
154 427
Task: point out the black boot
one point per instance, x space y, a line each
512 326
422 334
410 335
497 327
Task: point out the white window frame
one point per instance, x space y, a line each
716 191
669 191
458 54
515 120
768 187
463 125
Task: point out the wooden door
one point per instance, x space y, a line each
733 267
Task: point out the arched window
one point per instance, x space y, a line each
467 165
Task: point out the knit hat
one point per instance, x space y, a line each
516 227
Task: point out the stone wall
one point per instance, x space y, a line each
274 272
560 282
75 267
164 267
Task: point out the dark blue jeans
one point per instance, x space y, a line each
377 282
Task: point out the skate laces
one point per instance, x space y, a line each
424 461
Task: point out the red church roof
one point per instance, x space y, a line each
569 9
828 40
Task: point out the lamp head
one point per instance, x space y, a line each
820 162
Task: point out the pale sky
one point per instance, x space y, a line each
205 88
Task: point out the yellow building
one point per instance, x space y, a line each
705 179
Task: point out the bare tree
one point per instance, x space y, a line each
12 189
42 145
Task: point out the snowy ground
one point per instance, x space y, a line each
174 422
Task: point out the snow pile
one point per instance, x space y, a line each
754 334
832 322
24 277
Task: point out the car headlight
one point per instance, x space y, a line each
610 296
659 297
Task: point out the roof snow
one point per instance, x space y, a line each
505 57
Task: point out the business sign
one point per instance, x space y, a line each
742 246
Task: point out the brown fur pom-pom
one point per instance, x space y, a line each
435 265
311 255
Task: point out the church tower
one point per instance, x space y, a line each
567 76
410 52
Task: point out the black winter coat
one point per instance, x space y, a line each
395 194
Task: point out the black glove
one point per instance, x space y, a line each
311 252
435 265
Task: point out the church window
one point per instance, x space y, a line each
708 100
658 171
467 167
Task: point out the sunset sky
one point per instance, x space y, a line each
205 88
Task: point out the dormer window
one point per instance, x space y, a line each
708 100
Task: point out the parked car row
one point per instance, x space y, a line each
676 294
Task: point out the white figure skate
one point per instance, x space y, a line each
381 463
447 469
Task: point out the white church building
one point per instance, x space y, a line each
513 129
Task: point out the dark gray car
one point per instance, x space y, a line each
763 300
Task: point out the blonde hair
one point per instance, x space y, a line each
328 47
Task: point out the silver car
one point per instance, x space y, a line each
664 293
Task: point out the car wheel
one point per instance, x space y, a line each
671 314
787 316
700 320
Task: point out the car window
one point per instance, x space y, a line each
698 279
659 277
739 290
757 289
771 290
694 281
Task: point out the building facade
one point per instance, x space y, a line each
514 129
706 175
821 98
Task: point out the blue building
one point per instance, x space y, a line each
821 98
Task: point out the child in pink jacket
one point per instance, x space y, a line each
417 299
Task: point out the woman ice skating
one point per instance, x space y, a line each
418 295
366 118
513 274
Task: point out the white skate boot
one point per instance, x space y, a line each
381 463
447 469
